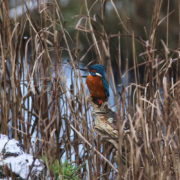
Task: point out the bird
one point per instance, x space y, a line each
97 83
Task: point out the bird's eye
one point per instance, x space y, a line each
94 71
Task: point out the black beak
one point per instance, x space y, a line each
84 76
83 69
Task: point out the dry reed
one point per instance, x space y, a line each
51 117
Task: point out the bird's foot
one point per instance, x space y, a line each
97 101
100 101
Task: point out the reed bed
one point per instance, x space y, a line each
49 114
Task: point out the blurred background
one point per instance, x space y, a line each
136 16
110 20
43 94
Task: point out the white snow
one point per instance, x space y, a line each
12 147
3 140
16 160
21 165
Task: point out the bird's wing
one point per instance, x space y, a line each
105 86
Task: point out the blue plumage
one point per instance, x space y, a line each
105 86
99 69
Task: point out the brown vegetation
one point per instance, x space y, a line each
37 105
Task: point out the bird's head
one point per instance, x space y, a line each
97 70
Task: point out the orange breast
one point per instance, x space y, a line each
95 87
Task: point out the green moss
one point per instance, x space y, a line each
63 170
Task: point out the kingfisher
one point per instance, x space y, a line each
97 83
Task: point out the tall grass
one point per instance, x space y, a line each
51 116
